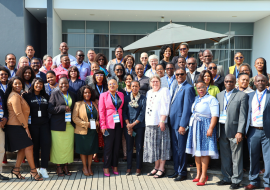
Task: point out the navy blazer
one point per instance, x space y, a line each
133 114
4 104
180 110
266 113
43 76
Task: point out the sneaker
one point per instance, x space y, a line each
43 173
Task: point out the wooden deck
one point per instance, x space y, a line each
77 181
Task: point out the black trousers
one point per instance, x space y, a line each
139 140
41 137
112 145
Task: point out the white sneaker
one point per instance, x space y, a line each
43 172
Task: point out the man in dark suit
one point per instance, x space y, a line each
180 111
232 121
258 133
35 65
192 75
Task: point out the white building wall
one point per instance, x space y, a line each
261 42
57 33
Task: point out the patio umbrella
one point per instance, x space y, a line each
173 34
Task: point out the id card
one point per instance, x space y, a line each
39 113
93 124
134 134
116 118
68 117
223 117
29 119
259 120
106 133
1 113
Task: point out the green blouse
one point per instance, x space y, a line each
212 90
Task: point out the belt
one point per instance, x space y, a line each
260 128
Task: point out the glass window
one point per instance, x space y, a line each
133 27
220 57
73 26
97 27
124 40
222 44
242 28
241 42
96 40
222 28
75 40
72 51
105 51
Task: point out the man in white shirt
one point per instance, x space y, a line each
192 74
258 133
91 54
64 50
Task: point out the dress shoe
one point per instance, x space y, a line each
173 175
3 177
222 182
251 187
180 178
267 188
235 186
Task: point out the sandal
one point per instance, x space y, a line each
60 174
19 175
38 178
65 170
151 174
160 176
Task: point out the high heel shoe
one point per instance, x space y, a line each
107 175
19 175
115 173
202 183
195 180
38 178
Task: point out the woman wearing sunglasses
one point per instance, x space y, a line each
207 78
218 79
119 72
102 62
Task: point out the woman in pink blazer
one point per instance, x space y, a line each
111 124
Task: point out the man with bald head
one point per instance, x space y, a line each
63 68
208 58
258 133
63 51
233 106
192 74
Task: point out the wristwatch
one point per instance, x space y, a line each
162 121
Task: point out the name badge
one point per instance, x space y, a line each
39 113
116 118
1 113
259 120
223 117
68 117
93 124
29 119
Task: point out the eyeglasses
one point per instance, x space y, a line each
118 70
201 88
214 68
4 74
99 75
81 55
101 59
191 63
155 81
178 74
112 84
183 49
143 57
239 58
169 68
229 81
35 63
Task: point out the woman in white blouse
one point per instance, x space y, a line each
153 61
157 142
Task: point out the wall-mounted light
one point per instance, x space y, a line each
162 19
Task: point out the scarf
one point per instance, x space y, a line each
134 103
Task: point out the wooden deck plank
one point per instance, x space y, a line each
154 182
3 182
14 180
50 184
124 180
82 182
89 182
106 183
100 180
112 182
118 181
64 182
77 180
39 184
148 182
71 181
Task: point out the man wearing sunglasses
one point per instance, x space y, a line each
35 65
208 58
169 81
180 112
144 62
192 74
183 48
84 68
231 130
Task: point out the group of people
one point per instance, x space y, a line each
167 108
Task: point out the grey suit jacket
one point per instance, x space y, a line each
220 70
197 74
237 112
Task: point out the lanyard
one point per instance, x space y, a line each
90 108
168 80
3 87
64 68
226 100
208 87
79 68
39 101
152 72
236 72
66 99
120 61
186 58
12 73
259 101
145 69
115 101
50 90
28 86
127 91
198 101
129 71
215 79
99 90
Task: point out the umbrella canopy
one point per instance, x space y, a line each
173 34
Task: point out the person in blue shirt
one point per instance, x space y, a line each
74 82
35 65
10 62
